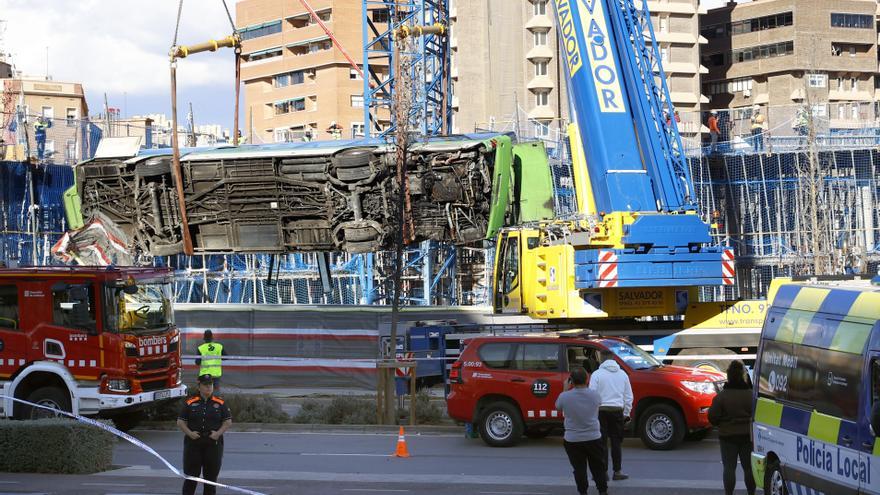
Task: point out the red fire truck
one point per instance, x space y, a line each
88 340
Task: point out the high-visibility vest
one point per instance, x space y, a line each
211 366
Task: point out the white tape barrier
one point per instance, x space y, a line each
136 443
314 360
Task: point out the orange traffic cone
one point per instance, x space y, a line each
401 445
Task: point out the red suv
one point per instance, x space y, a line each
508 386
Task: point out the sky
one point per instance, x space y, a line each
120 47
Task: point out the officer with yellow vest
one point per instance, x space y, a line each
210 363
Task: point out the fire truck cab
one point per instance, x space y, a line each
89 340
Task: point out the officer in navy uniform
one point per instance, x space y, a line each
204 418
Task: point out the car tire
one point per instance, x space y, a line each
153 167
354 174
774 482
353 158
46 396
500 425
661 427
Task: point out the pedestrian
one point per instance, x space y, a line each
731 412
757 129
210 363
204 419
40 127
583 437
617 397
335 130
714 131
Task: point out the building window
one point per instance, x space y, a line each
712 60
355 75
540 7
259 30
542 130
738 85
381 15
542 98
853 84
47 112
714 31
358 130
357 101
664 24
860 21
288 106
289 79
71 116
664 54
50 148
762 23
262 55
763 51
817 80
70 150
540 38
280 135
541 68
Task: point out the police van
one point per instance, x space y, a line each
817 370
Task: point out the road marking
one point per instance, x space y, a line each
356 455
372 490
113 484
10 482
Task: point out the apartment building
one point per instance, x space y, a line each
295 81
505 56
794 52
61 103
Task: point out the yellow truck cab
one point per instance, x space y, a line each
817 372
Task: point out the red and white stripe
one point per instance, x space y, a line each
543 413
727 267
402 372
607 269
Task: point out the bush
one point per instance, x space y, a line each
55 445
247 408
427 412
339 411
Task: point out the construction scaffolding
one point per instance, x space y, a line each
424 24
807 206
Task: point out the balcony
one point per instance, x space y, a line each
540 82
541 52
539 23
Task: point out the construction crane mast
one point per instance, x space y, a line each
637 225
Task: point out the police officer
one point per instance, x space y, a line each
204 418
209 364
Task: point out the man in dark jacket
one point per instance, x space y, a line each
731 412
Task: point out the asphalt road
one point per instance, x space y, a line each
343 463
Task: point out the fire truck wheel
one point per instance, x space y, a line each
661 427
500 425
125 422
46 396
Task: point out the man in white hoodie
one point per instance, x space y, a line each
616 393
